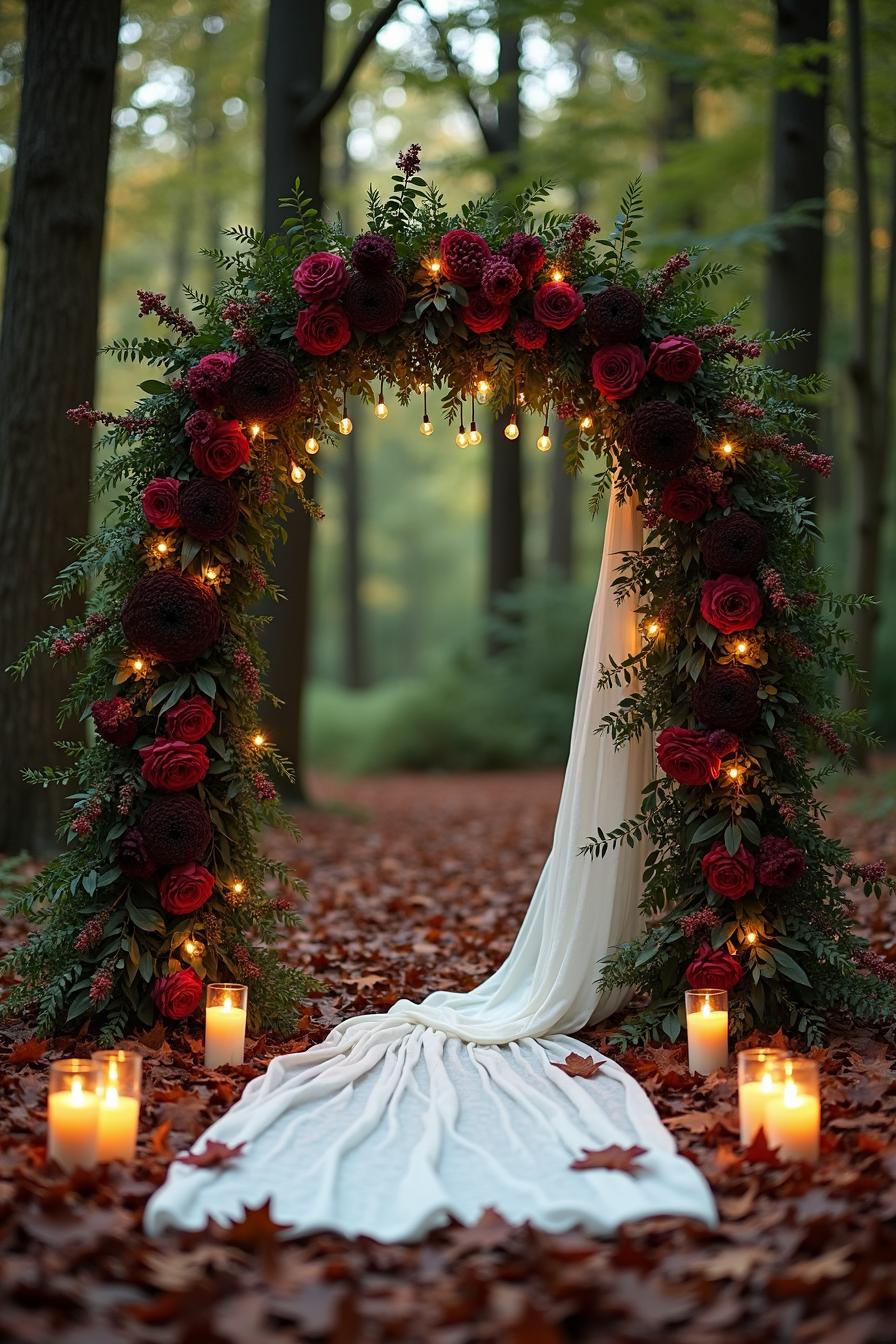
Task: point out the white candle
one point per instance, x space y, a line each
794 1123
72 1127
753 1099
118 1119
707 1017
225 1025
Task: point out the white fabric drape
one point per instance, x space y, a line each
398 1121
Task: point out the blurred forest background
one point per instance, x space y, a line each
450 587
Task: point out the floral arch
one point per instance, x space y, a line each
161 886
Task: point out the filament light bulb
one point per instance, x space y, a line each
512 429
474 436
543 443
734 772
751 938
426 425
311 445
190 947
653 628
434 266
297 473
460 438
211 574
345 425
483 391
381 410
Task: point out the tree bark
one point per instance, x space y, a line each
293 76
795 268
354 651
48 344
560 513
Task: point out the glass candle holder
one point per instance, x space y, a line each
72 1113
225 1025
707 1018
119 1098
794 1116
760 1076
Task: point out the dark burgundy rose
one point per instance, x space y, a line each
115 721
731 603
463 255
209 380
185 888
134 858
557 304
660 434
614 316
159 500
713 969
374 303
178 995
687 756
529 334
675 359
210 510
726 697
526 252
617 371
176 829
171 766
264 386
685 500
223 452
372 254
731 875
320 278
481 315
171 616
190 719
724 743
501 281
201 425
734 543
781 862
322 329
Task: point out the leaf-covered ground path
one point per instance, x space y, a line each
419 884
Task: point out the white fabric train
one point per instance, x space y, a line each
398 1121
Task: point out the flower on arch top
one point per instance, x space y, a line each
321 277
463 256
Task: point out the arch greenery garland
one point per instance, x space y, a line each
161 886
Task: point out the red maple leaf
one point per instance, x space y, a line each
579 1066
256 1230
27 1052
613 1158
214 1154
759 1151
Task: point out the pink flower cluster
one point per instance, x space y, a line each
126 795
581 228
168 316
86 415
798 454
867 872
265 791
101 985
247 673
774 588
825 731
693 924
63 645
797 648
786 746
91 933
246 967
655 291
743 410
876 963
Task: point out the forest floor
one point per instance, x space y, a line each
418 884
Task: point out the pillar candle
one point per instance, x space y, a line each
760 1077
225 1025
707 1018
72 1111
794 1119
119 1099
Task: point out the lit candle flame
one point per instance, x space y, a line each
227 1005
706 1009
77 1092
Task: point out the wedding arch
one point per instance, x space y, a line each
161 886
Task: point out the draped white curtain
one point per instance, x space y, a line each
398 1121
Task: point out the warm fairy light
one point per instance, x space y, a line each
556 275
742 646
238 888
255 430
735 772
653 628
297 473
751 937
190 948
211 574
543 443
727 448
345 425
162 547
258 740
381 410
475 435
460 438
426 425
586 422
311 445
434 266
483 391
512 429
137 664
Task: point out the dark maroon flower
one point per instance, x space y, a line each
209 380
463 255
201 425
526 251
322 329
617 371
171 616
134 858
372 254
176 829
320 278
688 756
501 281
557 304
177 996
660 434
733 544
723 743
781 862
529 334
713 968
159 500
685 500
114 720
172 766
726 697
481 315
731 875
614 315
264 386
374 303
675 359
209 509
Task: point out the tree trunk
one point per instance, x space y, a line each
560 516
293 75
795 268
354 649
679 114
870 451
48 344
505 506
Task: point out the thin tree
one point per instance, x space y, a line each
48 346
297 107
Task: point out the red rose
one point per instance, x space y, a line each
685 499
781 862
686 756
730 603
675 359
480 315
172 766
223 452
177 995
529 334
159 501
713 969
114 720
617 370
190 719
463 255
321 277
322 329
731 875
185 888
557 304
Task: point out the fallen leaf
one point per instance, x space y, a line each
613 1158
579 1066
214 1154
28 1052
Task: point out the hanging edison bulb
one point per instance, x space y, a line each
475 436
345 426
381 410
512 429
311 445
297 473
460 437
483 391
426 426
543 443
